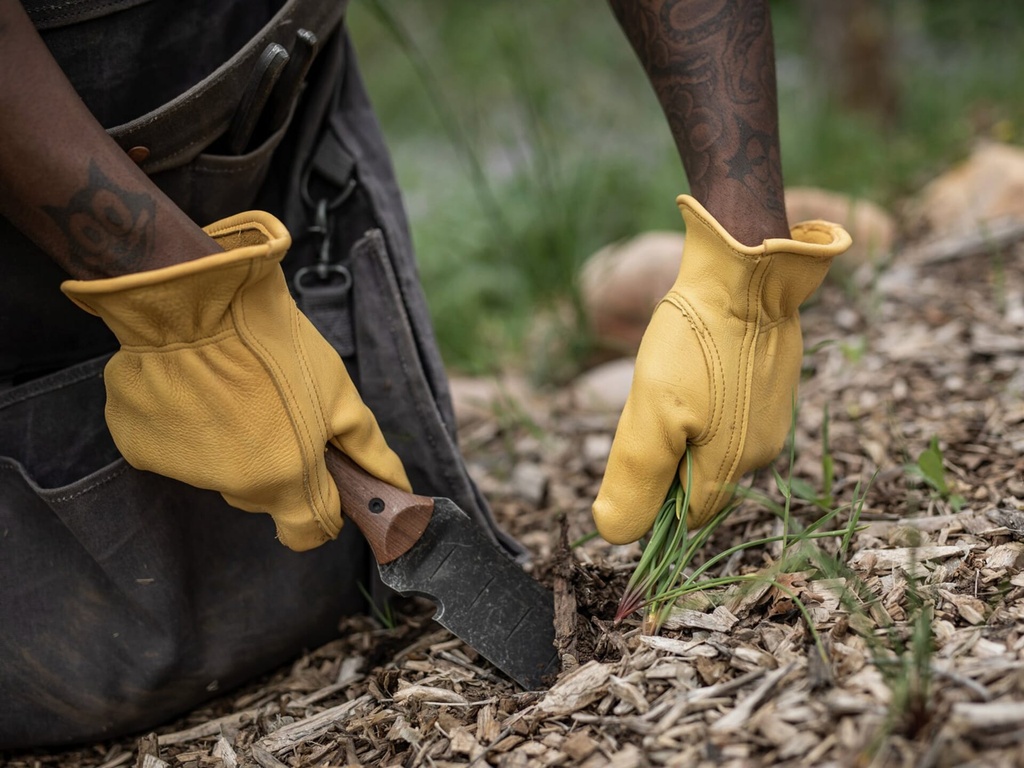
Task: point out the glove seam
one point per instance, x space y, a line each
279 382
712 364
323 520
741 408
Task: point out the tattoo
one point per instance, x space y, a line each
755 163
109 229
712 65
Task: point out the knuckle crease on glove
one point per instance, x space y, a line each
174 346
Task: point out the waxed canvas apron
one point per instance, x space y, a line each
127 598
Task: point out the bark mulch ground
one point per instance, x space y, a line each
919 657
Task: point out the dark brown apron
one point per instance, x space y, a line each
127 598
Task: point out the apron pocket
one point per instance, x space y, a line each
127 597
215 186
52 429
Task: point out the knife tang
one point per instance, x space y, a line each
391 519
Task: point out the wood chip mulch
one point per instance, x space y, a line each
922 348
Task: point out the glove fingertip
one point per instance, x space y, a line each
303 531
303 538
618 526
301 535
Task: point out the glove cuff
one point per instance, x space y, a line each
190 300
766 282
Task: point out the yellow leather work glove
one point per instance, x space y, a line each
717 369
222 383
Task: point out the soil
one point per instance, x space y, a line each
919 657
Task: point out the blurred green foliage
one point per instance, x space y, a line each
526 136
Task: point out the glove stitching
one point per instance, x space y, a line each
87 489
276 377
712 365
741 404
321 493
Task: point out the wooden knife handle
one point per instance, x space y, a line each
390 519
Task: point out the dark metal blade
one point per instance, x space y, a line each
482 595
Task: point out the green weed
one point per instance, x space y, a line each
382 613
931 469
666 572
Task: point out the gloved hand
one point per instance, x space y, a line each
222 383
717 369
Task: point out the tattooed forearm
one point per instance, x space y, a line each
756 164
66 184
712 65
109 229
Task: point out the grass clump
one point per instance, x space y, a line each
666 572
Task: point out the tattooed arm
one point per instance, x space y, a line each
65 183
712 65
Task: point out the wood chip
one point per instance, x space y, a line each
428 695
487 728
464 743
719 620
575 691
629 756
224 752
990 716
311 727
678 647
881 560
629 694
209 728
738 717
1005 556
579 746
264 758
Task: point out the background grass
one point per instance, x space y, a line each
525 136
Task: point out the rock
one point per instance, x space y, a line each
596 448
477 398
987 188
622 283
605 387
530 483
872 229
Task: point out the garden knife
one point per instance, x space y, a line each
430 547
